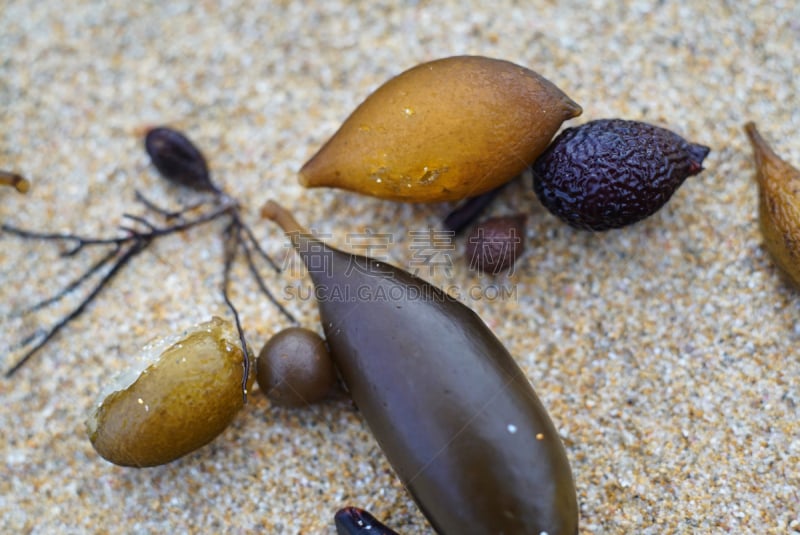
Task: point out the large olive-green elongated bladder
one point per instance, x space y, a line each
453 412
444 130
778 205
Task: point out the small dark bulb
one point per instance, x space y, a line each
178 160
494 245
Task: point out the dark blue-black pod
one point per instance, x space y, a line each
453 412
355 521
178 159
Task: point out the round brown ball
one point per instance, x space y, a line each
294 369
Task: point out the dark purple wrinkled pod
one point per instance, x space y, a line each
355 521
610 173
453 412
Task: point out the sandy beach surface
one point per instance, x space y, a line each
667 353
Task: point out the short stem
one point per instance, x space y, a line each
469 210
20 183
766 159
280 215
760 146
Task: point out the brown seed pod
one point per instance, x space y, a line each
294 369
778 205
183 392
495 244
441 131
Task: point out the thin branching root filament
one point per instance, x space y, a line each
180 162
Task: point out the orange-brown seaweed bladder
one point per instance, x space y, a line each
441 131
